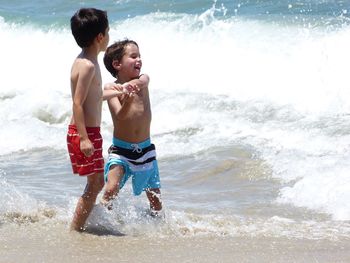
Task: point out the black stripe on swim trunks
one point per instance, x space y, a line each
144 162
131 154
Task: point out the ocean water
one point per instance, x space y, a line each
251 117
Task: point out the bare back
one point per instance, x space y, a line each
135 124
87 89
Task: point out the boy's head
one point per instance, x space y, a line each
114 55
86 24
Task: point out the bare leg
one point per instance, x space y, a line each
155 202
86 201
112 186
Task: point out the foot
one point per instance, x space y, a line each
156 214
107 204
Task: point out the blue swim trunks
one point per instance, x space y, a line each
139 162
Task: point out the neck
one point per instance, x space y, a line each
90 52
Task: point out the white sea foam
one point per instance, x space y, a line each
14 202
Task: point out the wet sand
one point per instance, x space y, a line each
55 244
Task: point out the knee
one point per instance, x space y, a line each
98 186
92 189
114 177
112 188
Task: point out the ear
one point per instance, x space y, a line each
99 37
116 64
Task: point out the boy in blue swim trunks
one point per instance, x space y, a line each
132 154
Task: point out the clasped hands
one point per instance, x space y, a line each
125 88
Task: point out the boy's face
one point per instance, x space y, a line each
130 65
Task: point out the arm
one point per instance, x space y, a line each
124 106
135 86
119 106
112 90
141 82
119 97
82 88
115 102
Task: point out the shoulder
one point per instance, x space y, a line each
88 65
84 65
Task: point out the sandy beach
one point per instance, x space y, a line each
26 244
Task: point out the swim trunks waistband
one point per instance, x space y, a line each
129 145
88 129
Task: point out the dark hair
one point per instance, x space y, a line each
86 24
115 52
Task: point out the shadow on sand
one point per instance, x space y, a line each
99 230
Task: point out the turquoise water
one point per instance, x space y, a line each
57 13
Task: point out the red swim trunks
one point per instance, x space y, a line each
81 164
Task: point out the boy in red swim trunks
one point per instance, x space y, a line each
90 29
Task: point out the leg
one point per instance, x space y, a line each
155 202
86 201
112 186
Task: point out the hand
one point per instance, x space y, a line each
129 88
113 86
86 147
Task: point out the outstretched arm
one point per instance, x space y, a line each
112 90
